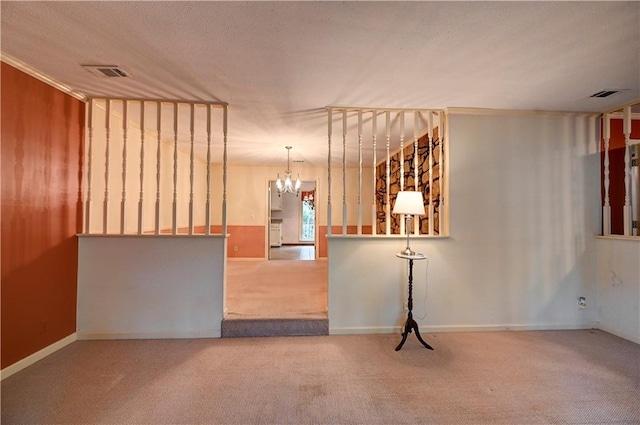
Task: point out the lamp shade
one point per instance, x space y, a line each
409 203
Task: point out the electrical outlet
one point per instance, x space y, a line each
582 302
235 248
405 306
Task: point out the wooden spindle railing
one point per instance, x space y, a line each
423 173
129 115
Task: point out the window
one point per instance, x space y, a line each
308 215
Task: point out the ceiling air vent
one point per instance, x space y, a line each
604 93
112 71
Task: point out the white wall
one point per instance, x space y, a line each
290 218
525 208
366 284
524 201
150 286
291 215
619 287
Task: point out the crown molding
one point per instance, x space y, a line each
618 108
338 108
10 60
515 112
620 115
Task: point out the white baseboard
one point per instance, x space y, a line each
365 330
463 328
512 327
210 333
623 335
38 355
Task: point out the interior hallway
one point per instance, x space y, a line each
277 289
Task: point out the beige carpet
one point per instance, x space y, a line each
242 328
276 289
554 377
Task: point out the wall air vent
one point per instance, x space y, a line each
112 71
605 93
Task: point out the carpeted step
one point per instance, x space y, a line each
235 328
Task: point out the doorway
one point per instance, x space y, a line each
292 223
282 286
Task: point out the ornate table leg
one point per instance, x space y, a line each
410 324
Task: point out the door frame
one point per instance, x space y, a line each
268 220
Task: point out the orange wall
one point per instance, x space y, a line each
250 241
336 230
42 135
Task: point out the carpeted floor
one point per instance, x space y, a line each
282 289
550 377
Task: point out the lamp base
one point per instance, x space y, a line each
410 255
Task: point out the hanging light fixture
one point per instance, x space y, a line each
288 185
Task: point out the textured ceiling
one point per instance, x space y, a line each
278 64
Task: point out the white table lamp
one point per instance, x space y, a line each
409 203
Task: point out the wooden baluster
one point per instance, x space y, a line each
360 172
141 195
441 206
431 144
387 202
344 172
207 212
224 171
627 213
87 216
329 130
105 203
374 211
416 158
402 177
123 201
174 214
191 169
158 164
606 209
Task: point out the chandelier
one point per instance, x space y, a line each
288 185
